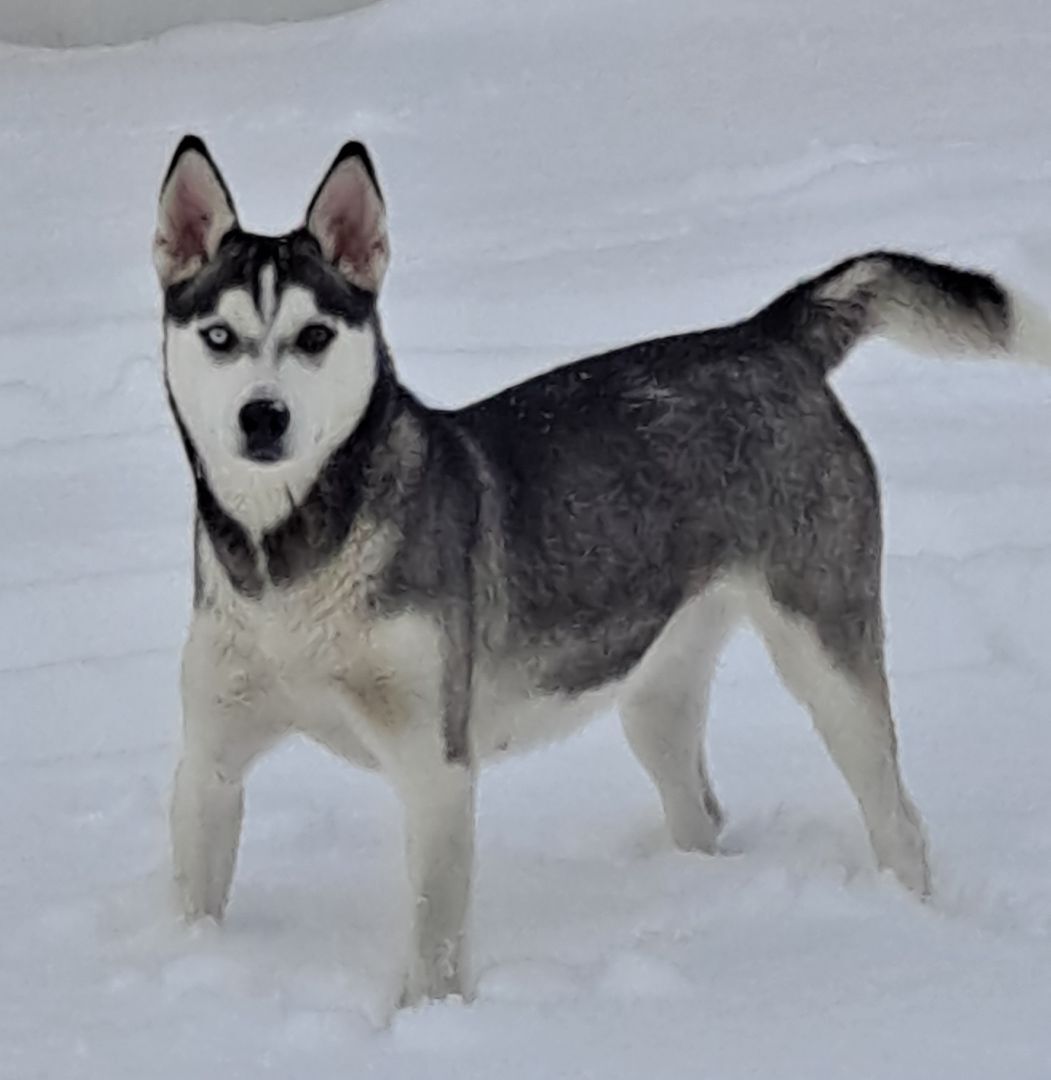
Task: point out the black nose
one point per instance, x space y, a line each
263 422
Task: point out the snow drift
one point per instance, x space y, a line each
56 23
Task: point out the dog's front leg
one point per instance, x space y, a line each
439 819
224 730
437 789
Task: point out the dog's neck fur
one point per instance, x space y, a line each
363 469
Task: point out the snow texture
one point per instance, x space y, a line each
57 23
561 178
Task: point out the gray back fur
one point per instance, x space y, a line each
556 527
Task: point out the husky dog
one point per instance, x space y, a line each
419 589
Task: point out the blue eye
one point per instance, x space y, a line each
219 338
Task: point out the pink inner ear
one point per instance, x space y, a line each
189 221
348 219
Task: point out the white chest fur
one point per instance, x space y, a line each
355 679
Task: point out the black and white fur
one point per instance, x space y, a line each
419 589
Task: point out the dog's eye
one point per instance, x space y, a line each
220 338
314 339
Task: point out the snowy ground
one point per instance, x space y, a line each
55 23
561 177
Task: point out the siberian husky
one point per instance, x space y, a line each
419 589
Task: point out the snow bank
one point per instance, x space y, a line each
55 23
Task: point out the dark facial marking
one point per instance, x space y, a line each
239 264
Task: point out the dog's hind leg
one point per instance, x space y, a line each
831 658
664 711
224 731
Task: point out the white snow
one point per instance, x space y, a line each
560 178
65 23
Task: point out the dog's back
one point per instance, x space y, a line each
629 481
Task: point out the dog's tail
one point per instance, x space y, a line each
928 307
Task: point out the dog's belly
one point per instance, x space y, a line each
343 683
502 722
323 714
509 718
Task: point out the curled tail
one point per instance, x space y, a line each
925 306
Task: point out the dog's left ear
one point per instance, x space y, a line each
348 219
194 214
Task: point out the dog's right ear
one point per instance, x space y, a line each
195 213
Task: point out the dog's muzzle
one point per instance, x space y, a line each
263 425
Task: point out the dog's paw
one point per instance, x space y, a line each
913 874
692 829
195 908
432 982
195 905
715 810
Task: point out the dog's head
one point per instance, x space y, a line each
271 343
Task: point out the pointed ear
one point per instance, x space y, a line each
348 219
195 213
